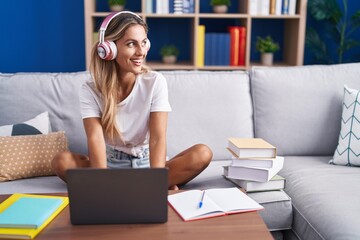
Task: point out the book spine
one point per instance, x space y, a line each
242 46
292 7
278 7
207 49
200 46
272 7
285 7
253 7
226 49
149 6
234 45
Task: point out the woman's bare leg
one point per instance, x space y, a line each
66 160
188 164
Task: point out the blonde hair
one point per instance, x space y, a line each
106 73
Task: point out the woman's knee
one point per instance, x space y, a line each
203 154
60 161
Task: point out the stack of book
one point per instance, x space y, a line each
255 165
23 216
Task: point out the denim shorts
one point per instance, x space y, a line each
119 159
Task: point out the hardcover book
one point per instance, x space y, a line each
275 183
251 148
257 163
27 233
215 202
28 212
252 173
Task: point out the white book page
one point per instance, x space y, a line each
232 199
187 204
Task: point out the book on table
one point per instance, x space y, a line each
215 202
275 183
254 173
23 216
251 148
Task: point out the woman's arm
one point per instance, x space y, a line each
96 142
157 141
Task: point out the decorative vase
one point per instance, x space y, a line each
267 59
220 9
169 59
116 8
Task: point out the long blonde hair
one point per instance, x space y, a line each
106 73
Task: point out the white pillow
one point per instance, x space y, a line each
347 152
38 125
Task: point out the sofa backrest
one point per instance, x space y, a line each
298 109
25 95
208 107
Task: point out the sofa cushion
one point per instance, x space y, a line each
302 105
277 213
37 125
29 155
325 197
33 93
208 108
348 150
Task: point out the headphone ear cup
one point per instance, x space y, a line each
148 44
107 50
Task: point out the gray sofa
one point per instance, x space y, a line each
297 109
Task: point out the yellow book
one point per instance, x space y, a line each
26 233
200 46
251 148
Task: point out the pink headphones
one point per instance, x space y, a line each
107 49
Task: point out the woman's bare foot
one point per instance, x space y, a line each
175 187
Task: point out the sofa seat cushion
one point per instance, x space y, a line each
49 184
277 213
325 197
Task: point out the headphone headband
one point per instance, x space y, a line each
107 49
106 22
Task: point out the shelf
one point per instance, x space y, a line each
181 29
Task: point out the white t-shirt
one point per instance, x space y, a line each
149 94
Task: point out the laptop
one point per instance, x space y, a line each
113 196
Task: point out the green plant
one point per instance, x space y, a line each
266 45
338 27
220 2
117 2
169 50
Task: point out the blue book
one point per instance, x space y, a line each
207 49
226 49
28 212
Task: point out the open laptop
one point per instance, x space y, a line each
112 196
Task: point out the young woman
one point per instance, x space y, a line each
125 108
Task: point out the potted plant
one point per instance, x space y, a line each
220 6
267 47
116 5
169 53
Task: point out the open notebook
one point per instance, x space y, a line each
215 202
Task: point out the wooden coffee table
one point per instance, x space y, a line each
238 226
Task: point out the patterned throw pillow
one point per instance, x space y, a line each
38 125
347 152
29 155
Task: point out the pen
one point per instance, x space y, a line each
202 198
